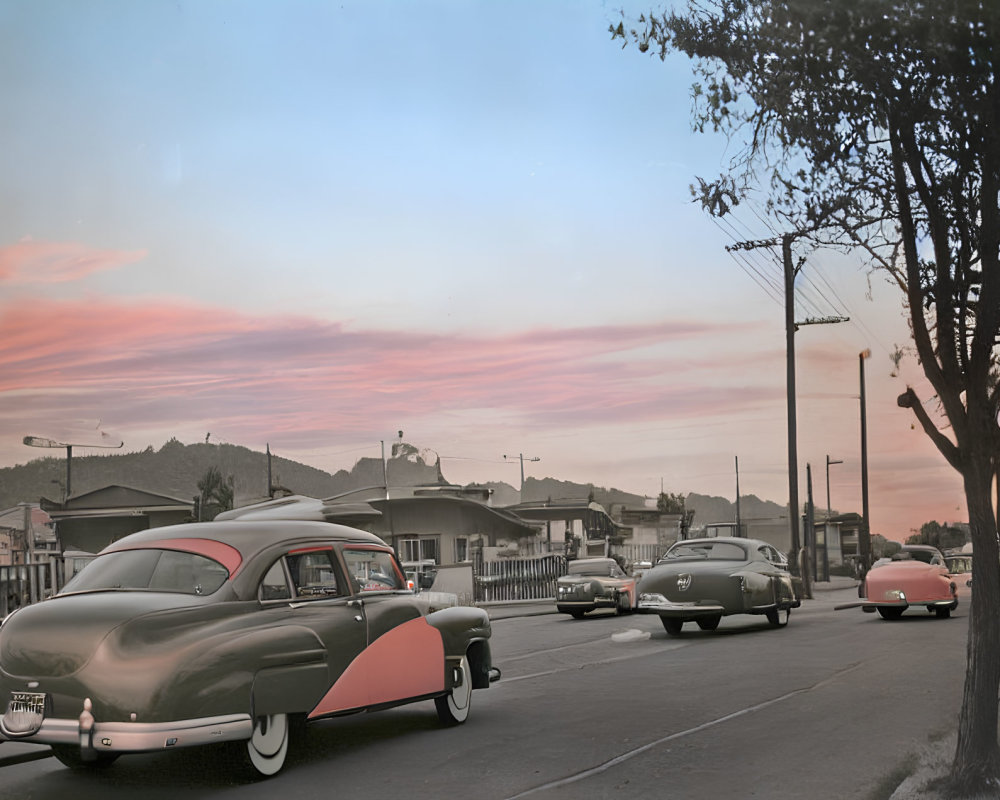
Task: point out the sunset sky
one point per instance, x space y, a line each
314 224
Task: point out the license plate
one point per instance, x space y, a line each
24 714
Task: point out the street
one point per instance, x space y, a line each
830 706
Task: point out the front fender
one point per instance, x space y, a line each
465 631
459 626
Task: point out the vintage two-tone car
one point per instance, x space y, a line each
915 576
235 632
591 583
704 580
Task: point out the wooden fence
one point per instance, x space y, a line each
523 578
22 584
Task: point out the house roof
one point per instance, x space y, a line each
114 496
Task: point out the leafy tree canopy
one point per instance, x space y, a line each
668 503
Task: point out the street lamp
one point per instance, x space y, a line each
39 441
522 459
829 512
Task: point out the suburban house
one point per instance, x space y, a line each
441 523
89 522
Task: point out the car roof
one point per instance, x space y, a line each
249 537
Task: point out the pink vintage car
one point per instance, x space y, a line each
916 576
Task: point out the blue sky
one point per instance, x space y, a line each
312 224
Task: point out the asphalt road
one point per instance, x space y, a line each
831 706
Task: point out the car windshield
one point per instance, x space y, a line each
718 551
151 570
927 556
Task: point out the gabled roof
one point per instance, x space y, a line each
114 497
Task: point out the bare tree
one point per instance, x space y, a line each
875 125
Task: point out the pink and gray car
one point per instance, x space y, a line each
915 577
592 583
236 631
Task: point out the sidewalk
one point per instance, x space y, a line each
835 582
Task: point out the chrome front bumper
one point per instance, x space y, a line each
670 609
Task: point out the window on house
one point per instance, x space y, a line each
409 550
461 549
429 550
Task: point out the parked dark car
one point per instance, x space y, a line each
592 583
230 631
704 580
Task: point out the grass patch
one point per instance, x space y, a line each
888 784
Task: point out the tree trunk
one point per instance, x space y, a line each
976 768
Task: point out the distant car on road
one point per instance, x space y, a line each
234 632
917 575
704 580
592 583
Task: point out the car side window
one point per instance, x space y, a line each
771 555
274 586
313 573
374 570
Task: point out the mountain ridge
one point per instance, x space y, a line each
175 469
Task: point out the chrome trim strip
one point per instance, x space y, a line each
685 608
136 737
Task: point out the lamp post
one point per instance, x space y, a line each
38 441
522 459
829 513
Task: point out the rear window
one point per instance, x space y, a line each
150 570
722 551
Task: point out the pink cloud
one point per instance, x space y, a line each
31 262
152 359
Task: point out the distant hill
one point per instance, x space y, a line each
176 468
719 509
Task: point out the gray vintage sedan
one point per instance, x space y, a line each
234 632
704 580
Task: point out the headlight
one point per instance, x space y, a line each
895 594
652 597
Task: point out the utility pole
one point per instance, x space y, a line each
864 535
790 269
522 459
810 527
270 483
829 514
739 523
